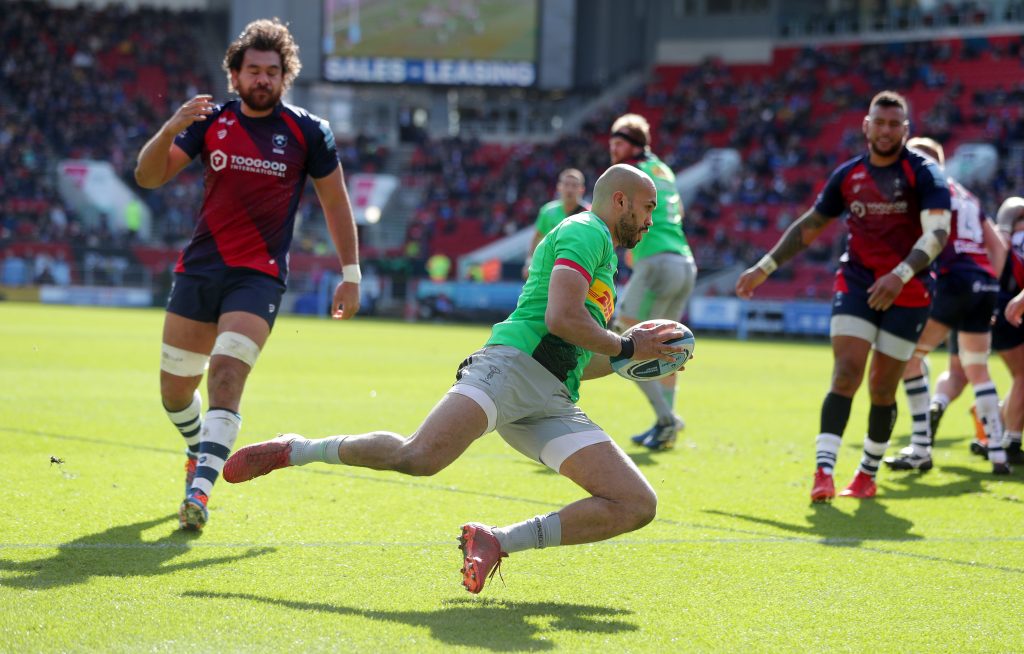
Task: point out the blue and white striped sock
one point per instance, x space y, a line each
827 451
873 453
189 422
220 429
917 401
986 403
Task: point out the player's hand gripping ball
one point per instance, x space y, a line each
648 369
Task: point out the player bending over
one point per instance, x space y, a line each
524 384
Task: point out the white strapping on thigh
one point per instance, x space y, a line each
846 325
894 346
182 363
481 398
557 450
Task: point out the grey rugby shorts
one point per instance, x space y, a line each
659 288
527 405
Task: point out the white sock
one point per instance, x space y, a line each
873 453
827 446
540 531
917 401
324 450
189 421
986 403
220 429
941 399
1012 436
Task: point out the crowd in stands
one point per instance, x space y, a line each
65 95
96 83
792 120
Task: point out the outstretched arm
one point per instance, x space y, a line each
341 225
796 238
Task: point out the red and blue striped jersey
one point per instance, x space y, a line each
965 250
883 206
256 170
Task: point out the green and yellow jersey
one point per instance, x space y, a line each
582 243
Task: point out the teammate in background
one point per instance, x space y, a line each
571 187
228 282
664 270
965 297
951 383
1007 334
524 383
898 208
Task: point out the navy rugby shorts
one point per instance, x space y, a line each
965 302
206 296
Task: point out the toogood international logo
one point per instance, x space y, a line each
218 160
858 209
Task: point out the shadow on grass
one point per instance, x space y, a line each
495 625
869 527
897 485
116 552
870 521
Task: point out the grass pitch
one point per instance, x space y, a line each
326 558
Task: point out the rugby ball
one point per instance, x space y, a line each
648 369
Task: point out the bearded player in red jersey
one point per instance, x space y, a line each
898 207
257 152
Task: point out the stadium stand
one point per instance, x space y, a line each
792 119
101 98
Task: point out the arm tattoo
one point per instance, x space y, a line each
799 235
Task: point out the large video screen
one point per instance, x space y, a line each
446 42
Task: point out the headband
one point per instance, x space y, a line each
629 138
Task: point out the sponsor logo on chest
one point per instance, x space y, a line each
219 160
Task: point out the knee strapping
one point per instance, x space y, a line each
969 358
182 363
238 346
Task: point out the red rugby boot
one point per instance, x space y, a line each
862 486
824 487
258 459
481 555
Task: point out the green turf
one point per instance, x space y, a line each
326 558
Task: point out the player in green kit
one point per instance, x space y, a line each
524 384
664 271
571 186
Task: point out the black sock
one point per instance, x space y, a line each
835 413
881 420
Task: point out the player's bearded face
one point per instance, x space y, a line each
886 130
259 94
633 225
259 82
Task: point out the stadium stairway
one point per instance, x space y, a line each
396 215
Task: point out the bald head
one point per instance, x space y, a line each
620 177
929 147
625 198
